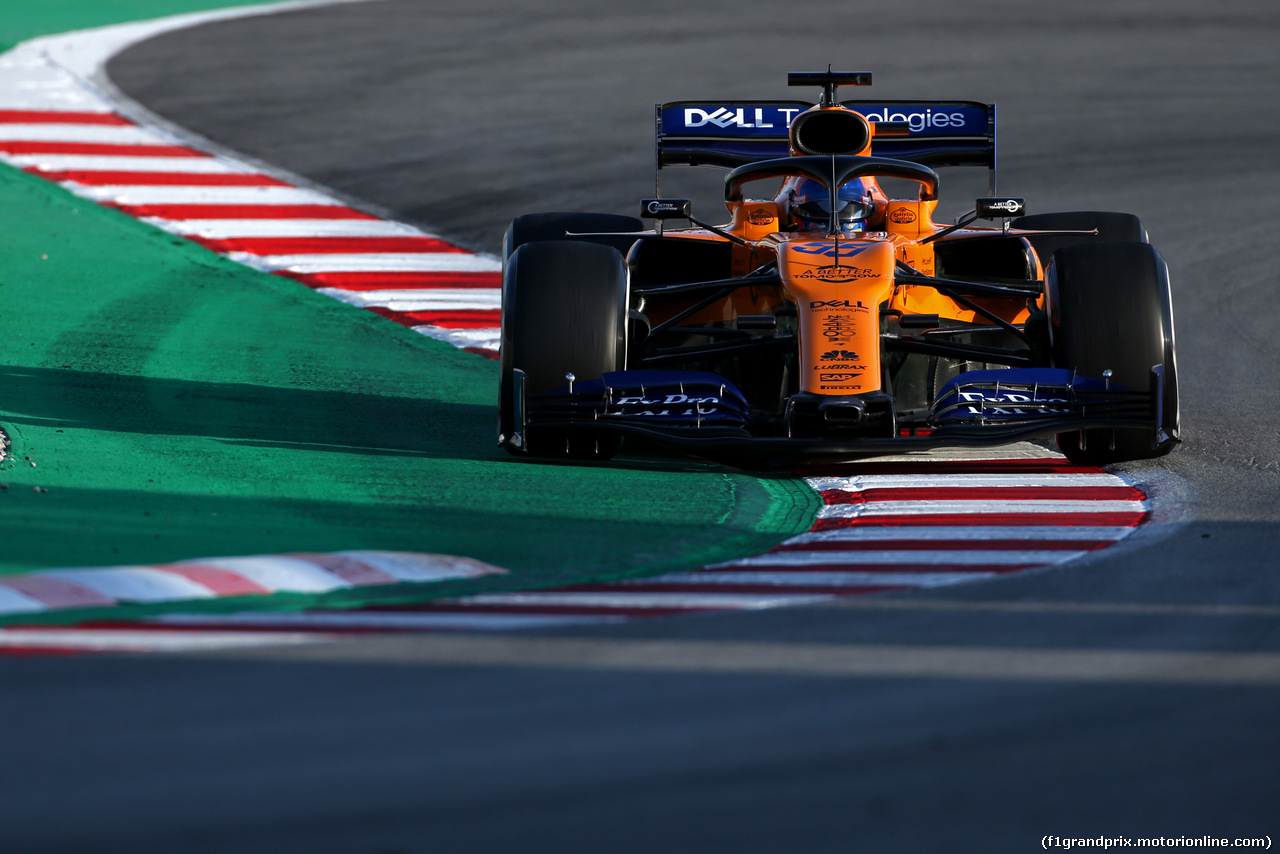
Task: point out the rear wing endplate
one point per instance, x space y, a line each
731 133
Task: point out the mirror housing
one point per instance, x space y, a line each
999 208
666 208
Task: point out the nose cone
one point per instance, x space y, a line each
838 290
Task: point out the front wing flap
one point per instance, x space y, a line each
676 401
705 414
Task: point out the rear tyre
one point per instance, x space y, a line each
607 229
1109 308
1111 227
564 310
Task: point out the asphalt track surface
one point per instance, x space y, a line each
1109 698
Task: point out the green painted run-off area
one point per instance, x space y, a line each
167 404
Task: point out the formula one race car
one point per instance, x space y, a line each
827 319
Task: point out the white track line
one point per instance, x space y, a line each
621 599
815 578
146 194
389 620
110 134
409 299
909 557
977 481
124 163
146 640
488 338
977 508
970 533
224 229
376 262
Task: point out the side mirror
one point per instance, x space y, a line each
999 208
666 208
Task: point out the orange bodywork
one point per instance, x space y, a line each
840 299
842 287
838 289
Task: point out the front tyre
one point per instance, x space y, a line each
614 230
564 311
1111 227
1109 308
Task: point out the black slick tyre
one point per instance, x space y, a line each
564 311
608 229
1111 227
1109 308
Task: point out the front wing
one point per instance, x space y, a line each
704 414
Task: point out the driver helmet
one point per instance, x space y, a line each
811 206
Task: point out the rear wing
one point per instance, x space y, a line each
731 133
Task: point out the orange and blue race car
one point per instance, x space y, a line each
827 319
